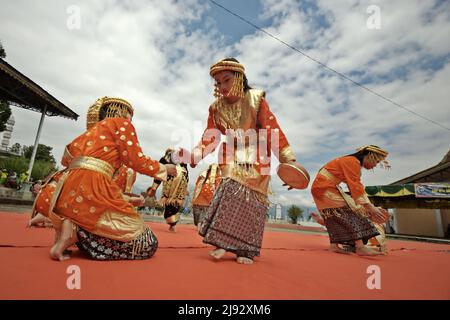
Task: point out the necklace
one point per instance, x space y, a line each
229 114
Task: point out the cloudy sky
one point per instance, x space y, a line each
157 54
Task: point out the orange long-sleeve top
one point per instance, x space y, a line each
250 114
345 169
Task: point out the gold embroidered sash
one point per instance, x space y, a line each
93 164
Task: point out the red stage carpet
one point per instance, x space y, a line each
291 266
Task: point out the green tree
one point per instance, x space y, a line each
43 153
2 52
16 148
294 213
5 113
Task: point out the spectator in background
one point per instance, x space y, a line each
36 187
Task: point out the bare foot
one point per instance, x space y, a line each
217 254
244 260
364 251
57 256
48 224
382 250
37 220
65 238
335 248
349 248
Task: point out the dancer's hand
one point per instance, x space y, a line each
286 185
377 215
137 201
384 215
171 170
151 193
181 156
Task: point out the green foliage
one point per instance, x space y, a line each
5 113
43 153
16 148
2 51
294 212
17 164
41 169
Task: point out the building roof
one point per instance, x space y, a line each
437 173
21 91
401 193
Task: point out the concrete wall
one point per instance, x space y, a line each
23 194
422 222
445 213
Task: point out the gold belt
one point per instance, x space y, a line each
327 174
93 164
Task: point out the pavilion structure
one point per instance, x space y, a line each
20 91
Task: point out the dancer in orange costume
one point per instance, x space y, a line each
236 216
349 219
87 206
205 186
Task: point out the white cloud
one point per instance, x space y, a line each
146 52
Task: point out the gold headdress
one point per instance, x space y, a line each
238 85
376 154
115 108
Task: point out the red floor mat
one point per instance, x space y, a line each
291 266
